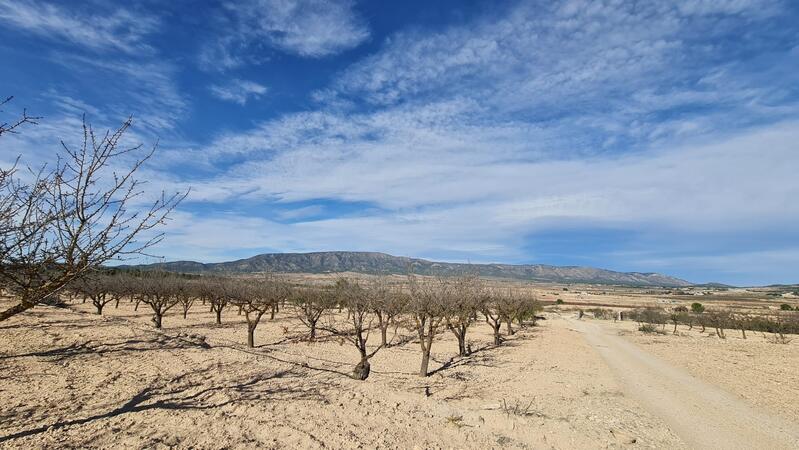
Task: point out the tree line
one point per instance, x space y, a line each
719 320
366 314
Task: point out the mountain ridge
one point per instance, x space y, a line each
381 263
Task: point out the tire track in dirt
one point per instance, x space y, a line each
702 414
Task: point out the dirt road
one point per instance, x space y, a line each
703 415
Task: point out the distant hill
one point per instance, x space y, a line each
381 263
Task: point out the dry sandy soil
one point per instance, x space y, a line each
69 378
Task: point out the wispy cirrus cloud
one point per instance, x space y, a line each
655 124
472 139
305 28
491 209
309 28
118 29
238 91
145 89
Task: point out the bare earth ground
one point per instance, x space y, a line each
763 373
701 413
75 379
69 378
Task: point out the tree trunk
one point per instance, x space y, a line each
510 326
99 307
384 335
116 305
185 313
462 346
426 342
218 315
361 371
250 336
313 330
675 328
425 362
157 319
460 334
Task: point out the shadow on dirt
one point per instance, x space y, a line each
195 390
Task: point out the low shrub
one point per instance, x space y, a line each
648 328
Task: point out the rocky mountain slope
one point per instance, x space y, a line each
377 263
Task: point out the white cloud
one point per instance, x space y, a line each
238 91
561 60
306 28
121 30
468 139
481 203
144 89
310 28
475 137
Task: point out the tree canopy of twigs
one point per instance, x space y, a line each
68 218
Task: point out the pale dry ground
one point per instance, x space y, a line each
701 413
756 369
73 379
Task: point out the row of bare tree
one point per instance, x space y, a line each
720 320
349 310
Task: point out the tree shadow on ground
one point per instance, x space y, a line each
69 324
191 391
160 342
304 365
477 357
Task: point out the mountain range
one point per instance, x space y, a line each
382 263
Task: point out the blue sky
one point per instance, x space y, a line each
648 136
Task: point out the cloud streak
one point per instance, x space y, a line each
475 139
303 28
238 91
121 30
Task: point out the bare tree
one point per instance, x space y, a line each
426 306
186 293
719 319
526 308
493 315
159 292
388 303
24 118
311 303
221 291
97 287
460 308
258 297
360 306
74 217
742 321
119 287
